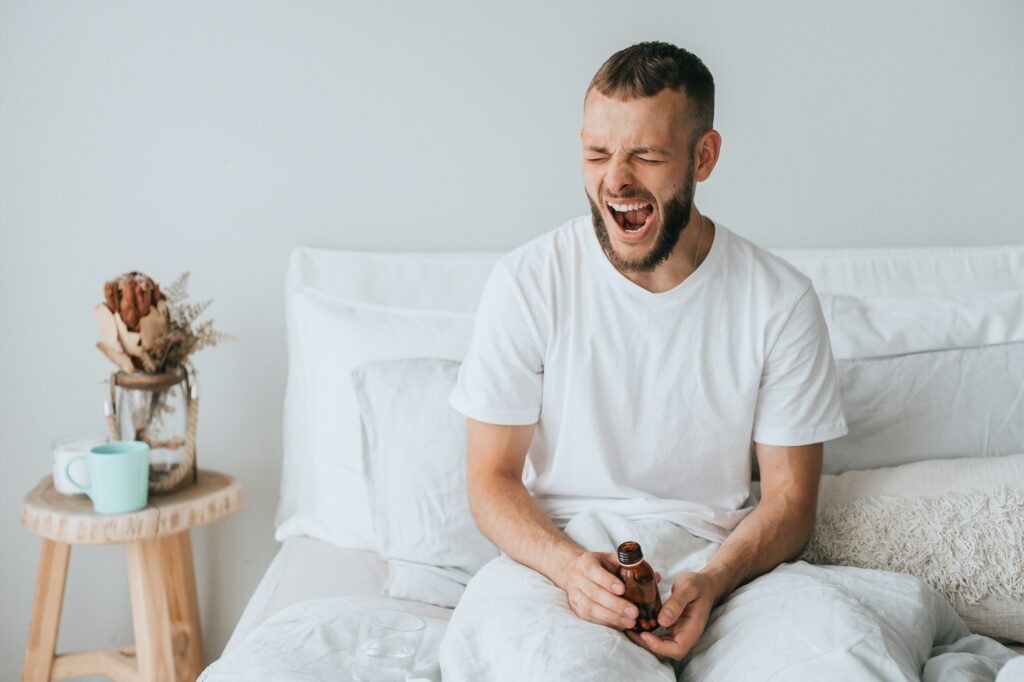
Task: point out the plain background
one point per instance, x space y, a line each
214 137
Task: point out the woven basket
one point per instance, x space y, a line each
186 472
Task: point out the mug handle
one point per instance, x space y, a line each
67 473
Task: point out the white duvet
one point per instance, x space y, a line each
315 641
798 622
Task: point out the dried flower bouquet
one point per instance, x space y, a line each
150 335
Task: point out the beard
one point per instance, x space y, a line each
673 221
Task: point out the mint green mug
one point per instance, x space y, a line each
119 473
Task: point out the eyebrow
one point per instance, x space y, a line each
634 150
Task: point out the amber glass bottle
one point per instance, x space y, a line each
641 588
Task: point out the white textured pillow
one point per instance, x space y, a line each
957 524
964 402
324 489
414 445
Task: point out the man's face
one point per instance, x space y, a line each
638 169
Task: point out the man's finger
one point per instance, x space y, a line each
635 638
624 608
610 560
604 578
687 632
640 639
590 610
674 606
660 647
664 647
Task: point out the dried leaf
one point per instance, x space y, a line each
131 342
123 362
149 366
106 326
153 326
178 290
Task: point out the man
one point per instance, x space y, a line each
633 355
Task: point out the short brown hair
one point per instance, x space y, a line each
645 69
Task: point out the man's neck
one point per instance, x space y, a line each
680 263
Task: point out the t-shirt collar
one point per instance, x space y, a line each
704 269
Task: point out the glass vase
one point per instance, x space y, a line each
156 409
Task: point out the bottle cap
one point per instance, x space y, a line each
630 553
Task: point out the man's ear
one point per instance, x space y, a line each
706 153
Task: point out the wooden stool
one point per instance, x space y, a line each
165 608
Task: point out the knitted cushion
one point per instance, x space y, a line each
957 524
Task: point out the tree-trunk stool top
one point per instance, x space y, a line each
71 519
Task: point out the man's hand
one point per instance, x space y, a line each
683 615
594 591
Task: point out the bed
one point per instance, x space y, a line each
347 308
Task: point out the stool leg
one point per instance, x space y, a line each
153 650
42 635
183 602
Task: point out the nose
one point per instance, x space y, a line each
618 177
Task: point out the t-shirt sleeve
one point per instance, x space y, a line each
500 379
798 399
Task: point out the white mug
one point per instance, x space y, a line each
65 449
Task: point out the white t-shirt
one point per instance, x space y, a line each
646 403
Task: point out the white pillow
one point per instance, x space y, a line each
876 326
966 402
957 524
323 487
940 271
414 447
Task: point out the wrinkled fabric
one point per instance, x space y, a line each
798 622
315 641
514 624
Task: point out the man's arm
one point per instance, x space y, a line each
508 515
780 525
775 531
501 505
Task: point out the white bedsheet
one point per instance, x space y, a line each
297 628
314 641
305 569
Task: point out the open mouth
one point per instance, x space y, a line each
631 217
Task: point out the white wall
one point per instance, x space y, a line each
213 137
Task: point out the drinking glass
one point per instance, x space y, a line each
388 640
